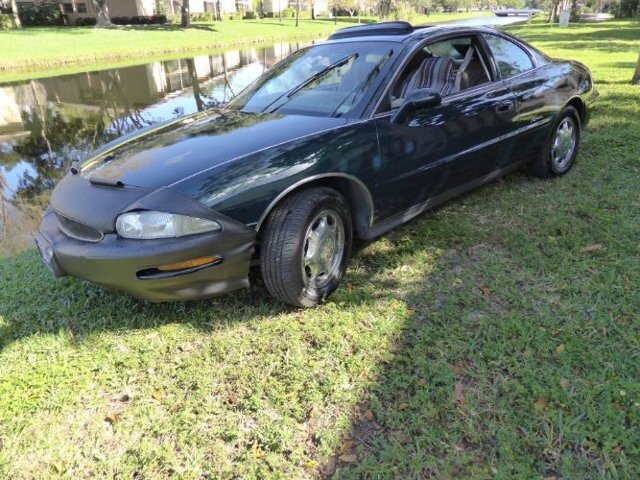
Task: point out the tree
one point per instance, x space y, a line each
102 13
16 17
185 15
636 76
297 11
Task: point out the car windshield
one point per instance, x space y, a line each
324 80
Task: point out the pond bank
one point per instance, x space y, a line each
33 52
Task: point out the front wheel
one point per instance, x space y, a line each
561 148
306 245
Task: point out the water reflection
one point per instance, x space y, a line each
47 124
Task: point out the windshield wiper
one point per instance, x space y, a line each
374 71
316 76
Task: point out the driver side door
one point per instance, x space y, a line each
443 150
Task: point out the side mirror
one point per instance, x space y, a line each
416 100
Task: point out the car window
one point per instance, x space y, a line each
324 80
448 66
510 58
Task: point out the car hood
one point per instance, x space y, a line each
174 151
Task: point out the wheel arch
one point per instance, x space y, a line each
579 105
356 193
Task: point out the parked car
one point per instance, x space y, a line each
345 139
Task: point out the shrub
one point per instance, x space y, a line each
289 12
6 21
202 17
85 22
40 15
140 20
404 11
250 16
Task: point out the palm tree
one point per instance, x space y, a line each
16 17
185 20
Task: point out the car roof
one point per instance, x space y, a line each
400 32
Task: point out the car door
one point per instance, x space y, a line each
535 86
446 148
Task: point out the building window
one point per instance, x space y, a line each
67 7
81 7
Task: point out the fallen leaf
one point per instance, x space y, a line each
112 418
457 282
156 395
560 348
458 368
348 458
329 466
422 382
175 407
540 404
257 451
486 291
310 465
591 248
403 406
459 389
368 415
616 449
347 445
125 398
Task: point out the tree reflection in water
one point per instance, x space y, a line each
47 124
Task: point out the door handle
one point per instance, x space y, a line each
505 106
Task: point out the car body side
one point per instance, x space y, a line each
352 159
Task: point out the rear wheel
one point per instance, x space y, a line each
306 245
561 148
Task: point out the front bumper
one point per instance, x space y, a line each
115 263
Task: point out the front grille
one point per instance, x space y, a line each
78 230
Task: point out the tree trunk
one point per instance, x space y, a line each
16 17
195 83
636 76
297 11
185 16
102 13
553 11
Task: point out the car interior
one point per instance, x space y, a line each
448 67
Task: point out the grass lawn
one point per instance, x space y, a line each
496 337
34 51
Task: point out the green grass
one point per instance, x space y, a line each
496 337
46 51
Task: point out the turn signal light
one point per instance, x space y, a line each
196 262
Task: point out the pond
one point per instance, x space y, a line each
48 123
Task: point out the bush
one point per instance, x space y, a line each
202 17
250 16
404 11
288 12
140 20
6 21
85 22
44 15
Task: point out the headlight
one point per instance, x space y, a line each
148 225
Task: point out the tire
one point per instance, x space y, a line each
550 162
306 245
